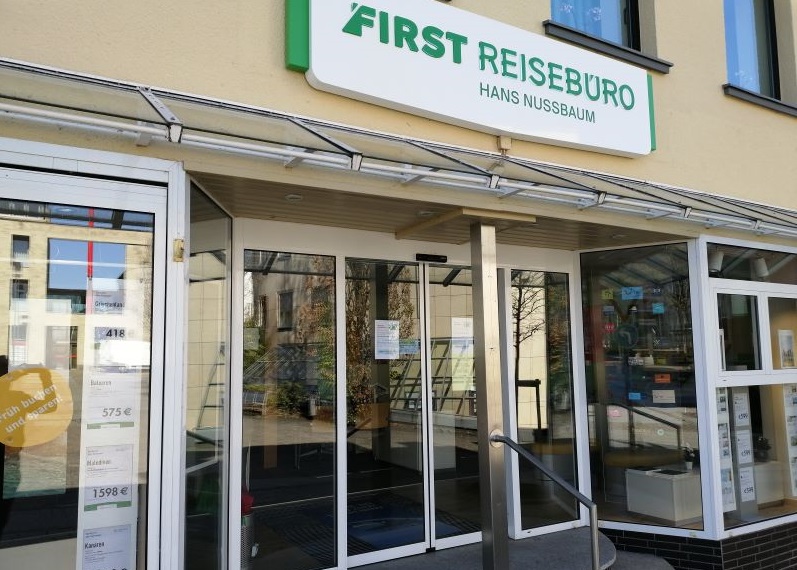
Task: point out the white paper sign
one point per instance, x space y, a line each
386 340
741 409
109 477
107 548
728 492
663 396
746 484
111 399
744 447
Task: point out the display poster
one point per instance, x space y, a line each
722 405
663 396
111 398
462 353
728 491
744 447
746 484
109 548
631 293
786 348
790 408
726 457
386 339
107 296
741 409
109 477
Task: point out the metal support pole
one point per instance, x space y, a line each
489 420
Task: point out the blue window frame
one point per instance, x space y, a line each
615 21
750 46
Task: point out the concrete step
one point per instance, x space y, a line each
565 550
635 561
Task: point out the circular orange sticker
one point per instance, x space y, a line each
35 406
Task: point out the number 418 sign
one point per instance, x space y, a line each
109 333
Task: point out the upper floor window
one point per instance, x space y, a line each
615 21
751 46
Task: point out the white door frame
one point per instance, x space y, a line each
343 244
68 175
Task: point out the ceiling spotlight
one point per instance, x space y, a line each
426 214
293 197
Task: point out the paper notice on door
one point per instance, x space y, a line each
386 340
109 477
108 548
746 484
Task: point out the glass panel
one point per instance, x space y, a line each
49 90
288 485
782 324
749 45
456 465
207 435
748 264
607 19
384 386
544 393
738 324
74 393
641 385
758 452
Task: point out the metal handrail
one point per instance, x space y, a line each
631 435
583 499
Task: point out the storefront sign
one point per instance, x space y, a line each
35 406
441 62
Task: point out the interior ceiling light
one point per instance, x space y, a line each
293 197
426 213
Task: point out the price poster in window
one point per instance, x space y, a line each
728 491
111 399
109 477
741 409
746 484
790 407
107 548
744 447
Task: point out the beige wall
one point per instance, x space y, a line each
234 51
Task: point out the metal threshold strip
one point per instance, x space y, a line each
34 93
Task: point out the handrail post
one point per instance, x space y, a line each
553 476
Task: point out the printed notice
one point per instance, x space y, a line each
746 484
725 445
107 548
741 409
663 396
109 477
744 447
386 340
728 493
112 399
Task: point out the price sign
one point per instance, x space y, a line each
109 548
744 447
112 400
110 333
747 484
109 477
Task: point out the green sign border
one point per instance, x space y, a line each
652 113
297 35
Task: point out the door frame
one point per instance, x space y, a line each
342 244
61 174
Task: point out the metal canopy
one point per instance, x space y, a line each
36 93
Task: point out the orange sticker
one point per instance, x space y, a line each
661 378
35 407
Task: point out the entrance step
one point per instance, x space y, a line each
635 561
566 550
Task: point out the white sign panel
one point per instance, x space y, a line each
108 548
386 340
441 62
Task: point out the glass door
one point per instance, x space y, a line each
80 381
386 397
453 414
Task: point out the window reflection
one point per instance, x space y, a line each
641 385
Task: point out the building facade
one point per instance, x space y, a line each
275 272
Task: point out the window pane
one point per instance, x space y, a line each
738 323
749 264
606 19
641 385
758 452
748 38
782 324
288 412
207 386
75 331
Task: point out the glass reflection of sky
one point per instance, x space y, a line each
69 262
